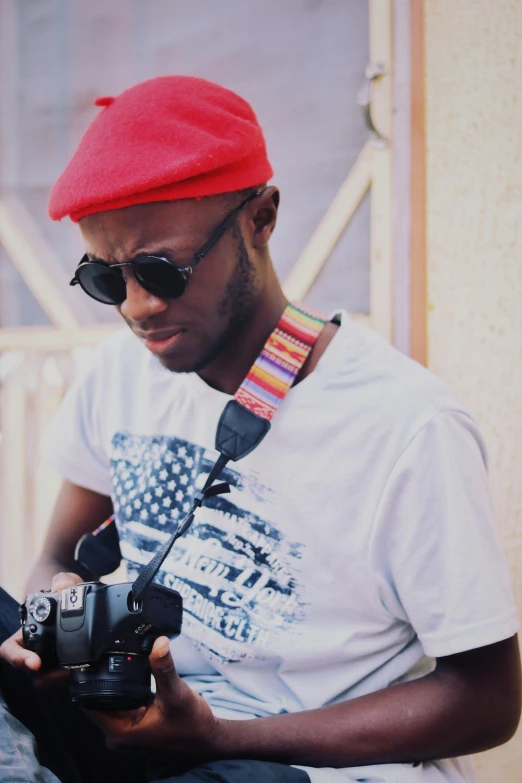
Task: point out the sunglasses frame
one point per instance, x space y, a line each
185 271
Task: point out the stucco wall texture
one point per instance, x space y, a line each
473 52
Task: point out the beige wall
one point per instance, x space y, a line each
473 54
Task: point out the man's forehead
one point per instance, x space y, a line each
149 227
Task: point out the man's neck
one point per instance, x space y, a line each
227 372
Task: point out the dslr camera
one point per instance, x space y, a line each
103 636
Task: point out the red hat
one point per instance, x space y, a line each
167 138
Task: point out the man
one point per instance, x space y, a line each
347 610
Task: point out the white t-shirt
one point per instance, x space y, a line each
356 544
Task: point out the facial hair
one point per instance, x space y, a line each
236 305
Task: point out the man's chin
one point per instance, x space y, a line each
181 364
176 357
194 355
173 364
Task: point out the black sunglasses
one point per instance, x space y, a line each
157 275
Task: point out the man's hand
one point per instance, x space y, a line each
469 703
13 651
177 722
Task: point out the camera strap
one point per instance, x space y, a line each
246 419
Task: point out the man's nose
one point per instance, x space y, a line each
140 304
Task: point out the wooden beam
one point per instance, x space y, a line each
44 403
381 237
419 350
330 229
34 257
14 481
48 338
402 175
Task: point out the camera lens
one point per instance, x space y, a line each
119 681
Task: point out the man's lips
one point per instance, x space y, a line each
161 342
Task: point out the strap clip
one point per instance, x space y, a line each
209 492
239 431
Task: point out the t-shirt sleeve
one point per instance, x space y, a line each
73 442
435 553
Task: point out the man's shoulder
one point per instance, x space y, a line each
387 381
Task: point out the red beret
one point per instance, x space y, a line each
167 138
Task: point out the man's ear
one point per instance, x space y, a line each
264 216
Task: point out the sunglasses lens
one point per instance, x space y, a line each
102 283
159 277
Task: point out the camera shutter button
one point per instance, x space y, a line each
33 628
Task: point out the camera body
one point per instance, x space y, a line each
104 637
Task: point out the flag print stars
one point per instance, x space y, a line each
153 478
229 553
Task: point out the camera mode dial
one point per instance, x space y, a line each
40 608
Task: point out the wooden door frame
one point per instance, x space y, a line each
396 175
372 171
418 250
409 183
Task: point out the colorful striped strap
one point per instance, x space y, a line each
246 419
280 361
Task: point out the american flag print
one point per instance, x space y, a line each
236 571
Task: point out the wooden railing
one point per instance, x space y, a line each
36 368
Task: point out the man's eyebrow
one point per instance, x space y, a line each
160 252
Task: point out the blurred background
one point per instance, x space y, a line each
393 128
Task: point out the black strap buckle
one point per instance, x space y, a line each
239 431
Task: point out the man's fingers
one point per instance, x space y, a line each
163 668
57 679
117 726
65 579
111 725
13 652
108 719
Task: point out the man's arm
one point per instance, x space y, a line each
471 702
77 511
